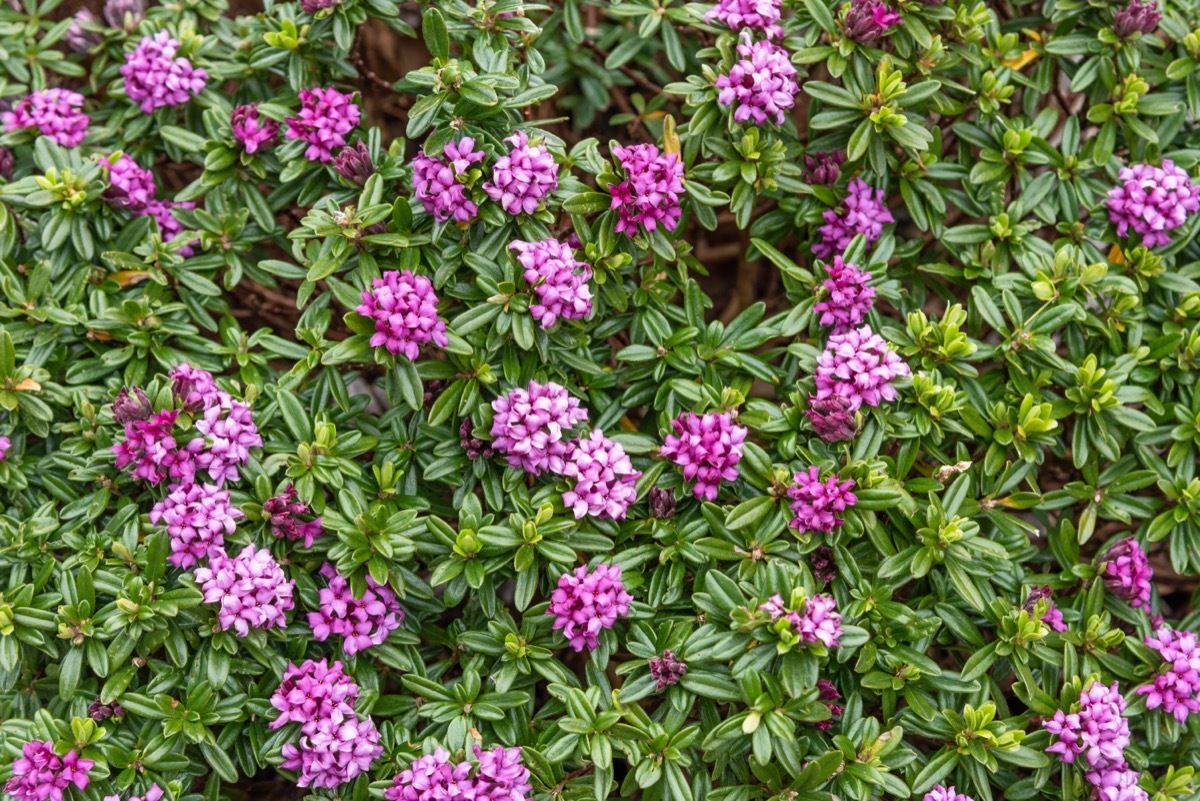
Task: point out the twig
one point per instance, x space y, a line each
636 77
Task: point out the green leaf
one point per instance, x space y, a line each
437 38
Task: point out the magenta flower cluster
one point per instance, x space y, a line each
360 621
325 117
940 792
195 389
436 184
56 114
336 745
530 426
500 775
283 513
867 20
831 418
5 445
150 447
708 447
860 367
154 793
40 774
762 15
604 481
559 281
1176 688
129 186
523 177
650 194
1127 573
229 433
863 212
1152 201
1137 18
404 308
197 518
818 505
846 299
156 76
816 620
1097 736
254 131
251 588
585 603
761 85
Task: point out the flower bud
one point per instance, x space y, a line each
353 163
662 503
129 408
831 419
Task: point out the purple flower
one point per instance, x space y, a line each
559 281
1051 616
311 693
153 794
662 503
530 426
432 777
197 518
475 447
100 712
814 620
251 588
124 14
867 20
149 446
162 212
666 670
253 130
817 505
831 418
283 511
130 408
1176 688
7 163
195 389
846 299
650 194
827 695
762 15
5 445
708 447
312 7
404 308
585 603
1127 572
943 793
762 83
1097 732
823 169
501 776
82 39
129 186
523 178
1152 201
353 163
324 119
436 184
228 435
824 566
603 477
864 212
1137 18
56 114
360 621
339 749
1117 784
859 366
40 774
156 77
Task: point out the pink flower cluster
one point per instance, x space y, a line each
603 476
831 418
1152 201
1099 734
360 622
818 505
252 129
859 366
153 794
229 433
942 793
708 447
129 186
404 308
816 621
867 20
1127 573
56 113
5 445
325 117
762 15
251 588
585 603
650 194
846 299
530 426
559 281
523 178
1176 688
283 511
864 212
155 76
150 447
762 83
499 776
40 774
335 745
197 518
195 389
436 184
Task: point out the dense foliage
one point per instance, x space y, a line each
454 465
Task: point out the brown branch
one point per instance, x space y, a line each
634 76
